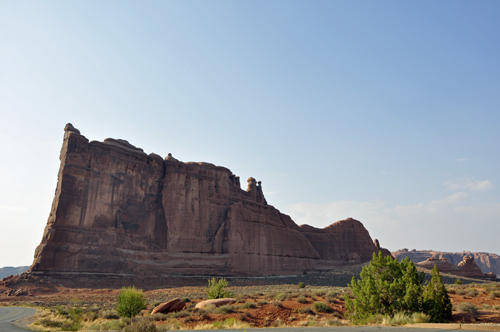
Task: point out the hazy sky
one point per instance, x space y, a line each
384 111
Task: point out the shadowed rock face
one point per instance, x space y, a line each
118 210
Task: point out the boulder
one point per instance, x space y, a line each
163 307
215 302
176 307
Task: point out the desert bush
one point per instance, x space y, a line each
224 309
50 323
494 294
280 297
399 318
331 296
277 303
130 302
496 307
452 291
460 291
334 322
179 314
307 310
466 307
141 325
420 317
108 314
458 281
217 289
62 311
319 292
278 323
471 292
249 305
302 285
321 307
375 319
301 299
486 306
186 299
158 317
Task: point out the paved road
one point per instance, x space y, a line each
10 314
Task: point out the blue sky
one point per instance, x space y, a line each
387 112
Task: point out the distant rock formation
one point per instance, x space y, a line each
120 211
469 264
12 271
385 251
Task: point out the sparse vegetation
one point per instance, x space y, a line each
130 302
217 289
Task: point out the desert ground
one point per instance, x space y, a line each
261 302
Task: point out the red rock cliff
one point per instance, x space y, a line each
119 210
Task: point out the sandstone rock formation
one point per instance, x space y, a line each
165 306
487 262
467 268
215 302
385 251
119 211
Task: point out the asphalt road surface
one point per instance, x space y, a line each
10 314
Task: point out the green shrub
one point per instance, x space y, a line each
334 322
224 309
217 289
494 294
436 302
460 291
458 282
130 302
321 307
471 292
301 299
319 292
277 303
280 297
420 317
50 323
307 310
388 286
398 319
108 314
467 307
331 296
302 285
249 305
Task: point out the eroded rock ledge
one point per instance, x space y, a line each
119 210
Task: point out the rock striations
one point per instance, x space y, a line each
118 210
